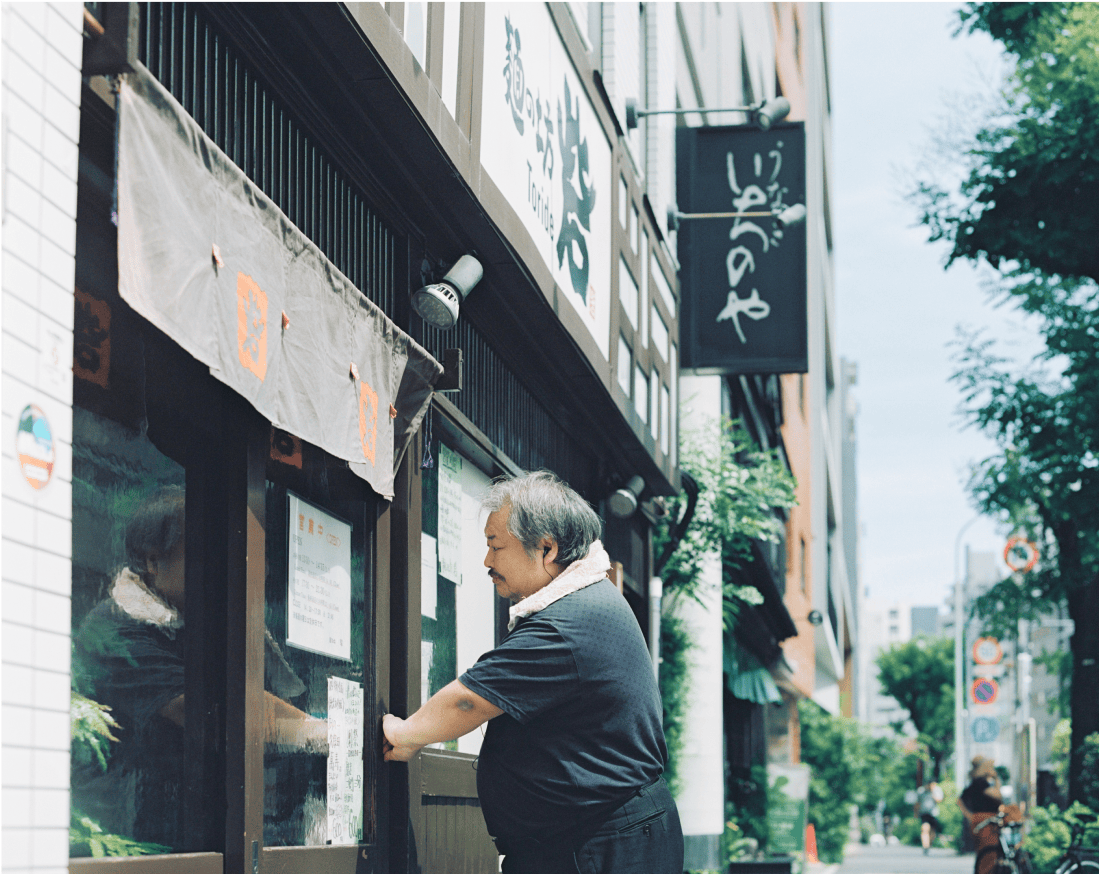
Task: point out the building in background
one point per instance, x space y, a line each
770 282
888 624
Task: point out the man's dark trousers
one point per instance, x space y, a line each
643 836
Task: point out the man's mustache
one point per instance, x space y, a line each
495 576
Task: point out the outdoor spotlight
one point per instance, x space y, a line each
438 303
792 215
623 503
771 111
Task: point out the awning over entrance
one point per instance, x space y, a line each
209 259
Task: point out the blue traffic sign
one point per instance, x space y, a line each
985 729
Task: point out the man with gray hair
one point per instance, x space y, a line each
569 774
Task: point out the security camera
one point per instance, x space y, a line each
438 303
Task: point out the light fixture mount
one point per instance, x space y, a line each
761 115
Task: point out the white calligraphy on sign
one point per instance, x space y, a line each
345 761
544 147
765 193
318 605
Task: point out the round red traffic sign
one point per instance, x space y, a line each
1020 554
987 651
984 690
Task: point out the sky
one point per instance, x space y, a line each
898 75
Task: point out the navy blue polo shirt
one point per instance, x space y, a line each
582 727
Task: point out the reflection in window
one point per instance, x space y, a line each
315 683
128 634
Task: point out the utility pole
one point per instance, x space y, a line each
961 579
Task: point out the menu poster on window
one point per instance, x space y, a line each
345 761
450 514
319 570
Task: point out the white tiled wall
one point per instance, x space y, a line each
41 118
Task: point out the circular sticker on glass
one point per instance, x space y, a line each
985 729
984 690
35 446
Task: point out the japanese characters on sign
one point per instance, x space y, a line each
744 280
345 761
319 570
450 514
543 146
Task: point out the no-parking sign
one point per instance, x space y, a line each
984 690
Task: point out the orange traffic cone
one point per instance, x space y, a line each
811 844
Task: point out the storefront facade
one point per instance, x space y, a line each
275 462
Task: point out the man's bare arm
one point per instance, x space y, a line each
451 712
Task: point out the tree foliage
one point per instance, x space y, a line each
1029 205
1031 189
742 490
919 674
850 766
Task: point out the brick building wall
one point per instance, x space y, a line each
41 118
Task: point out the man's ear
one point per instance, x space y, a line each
549 550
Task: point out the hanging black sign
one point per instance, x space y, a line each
744 289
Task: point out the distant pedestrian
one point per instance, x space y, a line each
979 800
928 804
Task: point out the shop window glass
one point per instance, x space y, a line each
415 30
628 294
654 402
452 19
128 666
318 632
133 790
641 393
457 599
659 333
624 364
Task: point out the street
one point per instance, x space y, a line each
898 859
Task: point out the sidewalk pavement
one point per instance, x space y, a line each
896 859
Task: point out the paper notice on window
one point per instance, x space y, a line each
450 514
429 574
319 571
345 761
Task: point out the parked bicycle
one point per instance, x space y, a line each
1013 859
1079 859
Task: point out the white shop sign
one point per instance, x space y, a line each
543 146
319 570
